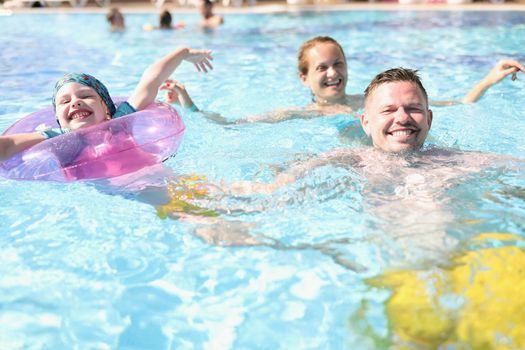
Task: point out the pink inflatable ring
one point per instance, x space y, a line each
113 148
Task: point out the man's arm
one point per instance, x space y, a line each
297 170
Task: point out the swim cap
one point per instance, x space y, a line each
88 80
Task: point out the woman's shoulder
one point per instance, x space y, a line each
356 101
332 109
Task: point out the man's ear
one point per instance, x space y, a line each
430 117
364 123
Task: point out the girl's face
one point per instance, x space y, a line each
327 73
79 106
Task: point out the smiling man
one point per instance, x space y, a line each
397 119
396 116
402 186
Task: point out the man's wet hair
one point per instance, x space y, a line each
395 75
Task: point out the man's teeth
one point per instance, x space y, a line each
406 132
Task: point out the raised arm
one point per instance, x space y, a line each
502 69
13 144
154 76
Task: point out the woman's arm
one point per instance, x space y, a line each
13 144
277 116
153 77
177 93
502 69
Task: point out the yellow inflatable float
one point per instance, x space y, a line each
478 302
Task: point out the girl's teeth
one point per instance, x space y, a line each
80 115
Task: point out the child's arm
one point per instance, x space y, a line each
158 72
13 144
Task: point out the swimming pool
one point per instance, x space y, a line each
84 268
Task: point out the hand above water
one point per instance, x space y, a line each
200 59
502 69
177 93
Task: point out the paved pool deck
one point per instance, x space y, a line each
274 7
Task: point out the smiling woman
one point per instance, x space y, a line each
323 69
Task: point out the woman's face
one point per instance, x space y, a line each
327 73
79 106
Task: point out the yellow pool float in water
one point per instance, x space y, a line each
182 192
476 303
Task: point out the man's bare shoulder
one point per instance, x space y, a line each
340 152
465 158
349 156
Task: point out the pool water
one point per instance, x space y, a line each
88 268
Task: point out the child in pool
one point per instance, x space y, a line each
80 100
209 19
165 23
116 20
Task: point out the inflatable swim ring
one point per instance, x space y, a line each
113 148
475 302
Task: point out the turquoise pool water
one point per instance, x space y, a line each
83 268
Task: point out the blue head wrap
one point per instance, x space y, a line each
88 80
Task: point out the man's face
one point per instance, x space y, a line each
397 117
327 73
